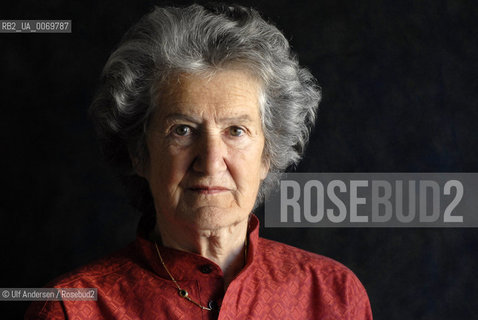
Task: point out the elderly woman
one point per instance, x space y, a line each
196 107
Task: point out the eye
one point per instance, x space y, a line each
182 130
236 131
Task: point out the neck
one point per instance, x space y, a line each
224 246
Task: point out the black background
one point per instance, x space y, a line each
400 91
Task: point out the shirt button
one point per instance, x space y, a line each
206 268
213 305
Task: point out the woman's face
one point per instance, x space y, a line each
205 145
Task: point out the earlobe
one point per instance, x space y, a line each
138 167
265 169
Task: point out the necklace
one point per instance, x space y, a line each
182 292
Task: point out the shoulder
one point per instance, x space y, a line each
291 264
333 285
283 255
101 272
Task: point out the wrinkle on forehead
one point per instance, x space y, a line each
211 99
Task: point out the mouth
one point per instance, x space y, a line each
208 189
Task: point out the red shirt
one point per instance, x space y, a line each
278 282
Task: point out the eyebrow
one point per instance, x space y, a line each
181 116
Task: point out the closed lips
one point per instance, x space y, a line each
208 190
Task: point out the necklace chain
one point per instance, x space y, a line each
182 292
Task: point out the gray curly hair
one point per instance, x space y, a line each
198 39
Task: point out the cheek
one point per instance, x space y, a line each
168 167
247 169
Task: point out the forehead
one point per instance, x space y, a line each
225 93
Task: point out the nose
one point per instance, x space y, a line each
211 153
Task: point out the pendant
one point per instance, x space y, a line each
183 293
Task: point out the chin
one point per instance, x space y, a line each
208 217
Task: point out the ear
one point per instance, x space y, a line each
138 167
265 166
